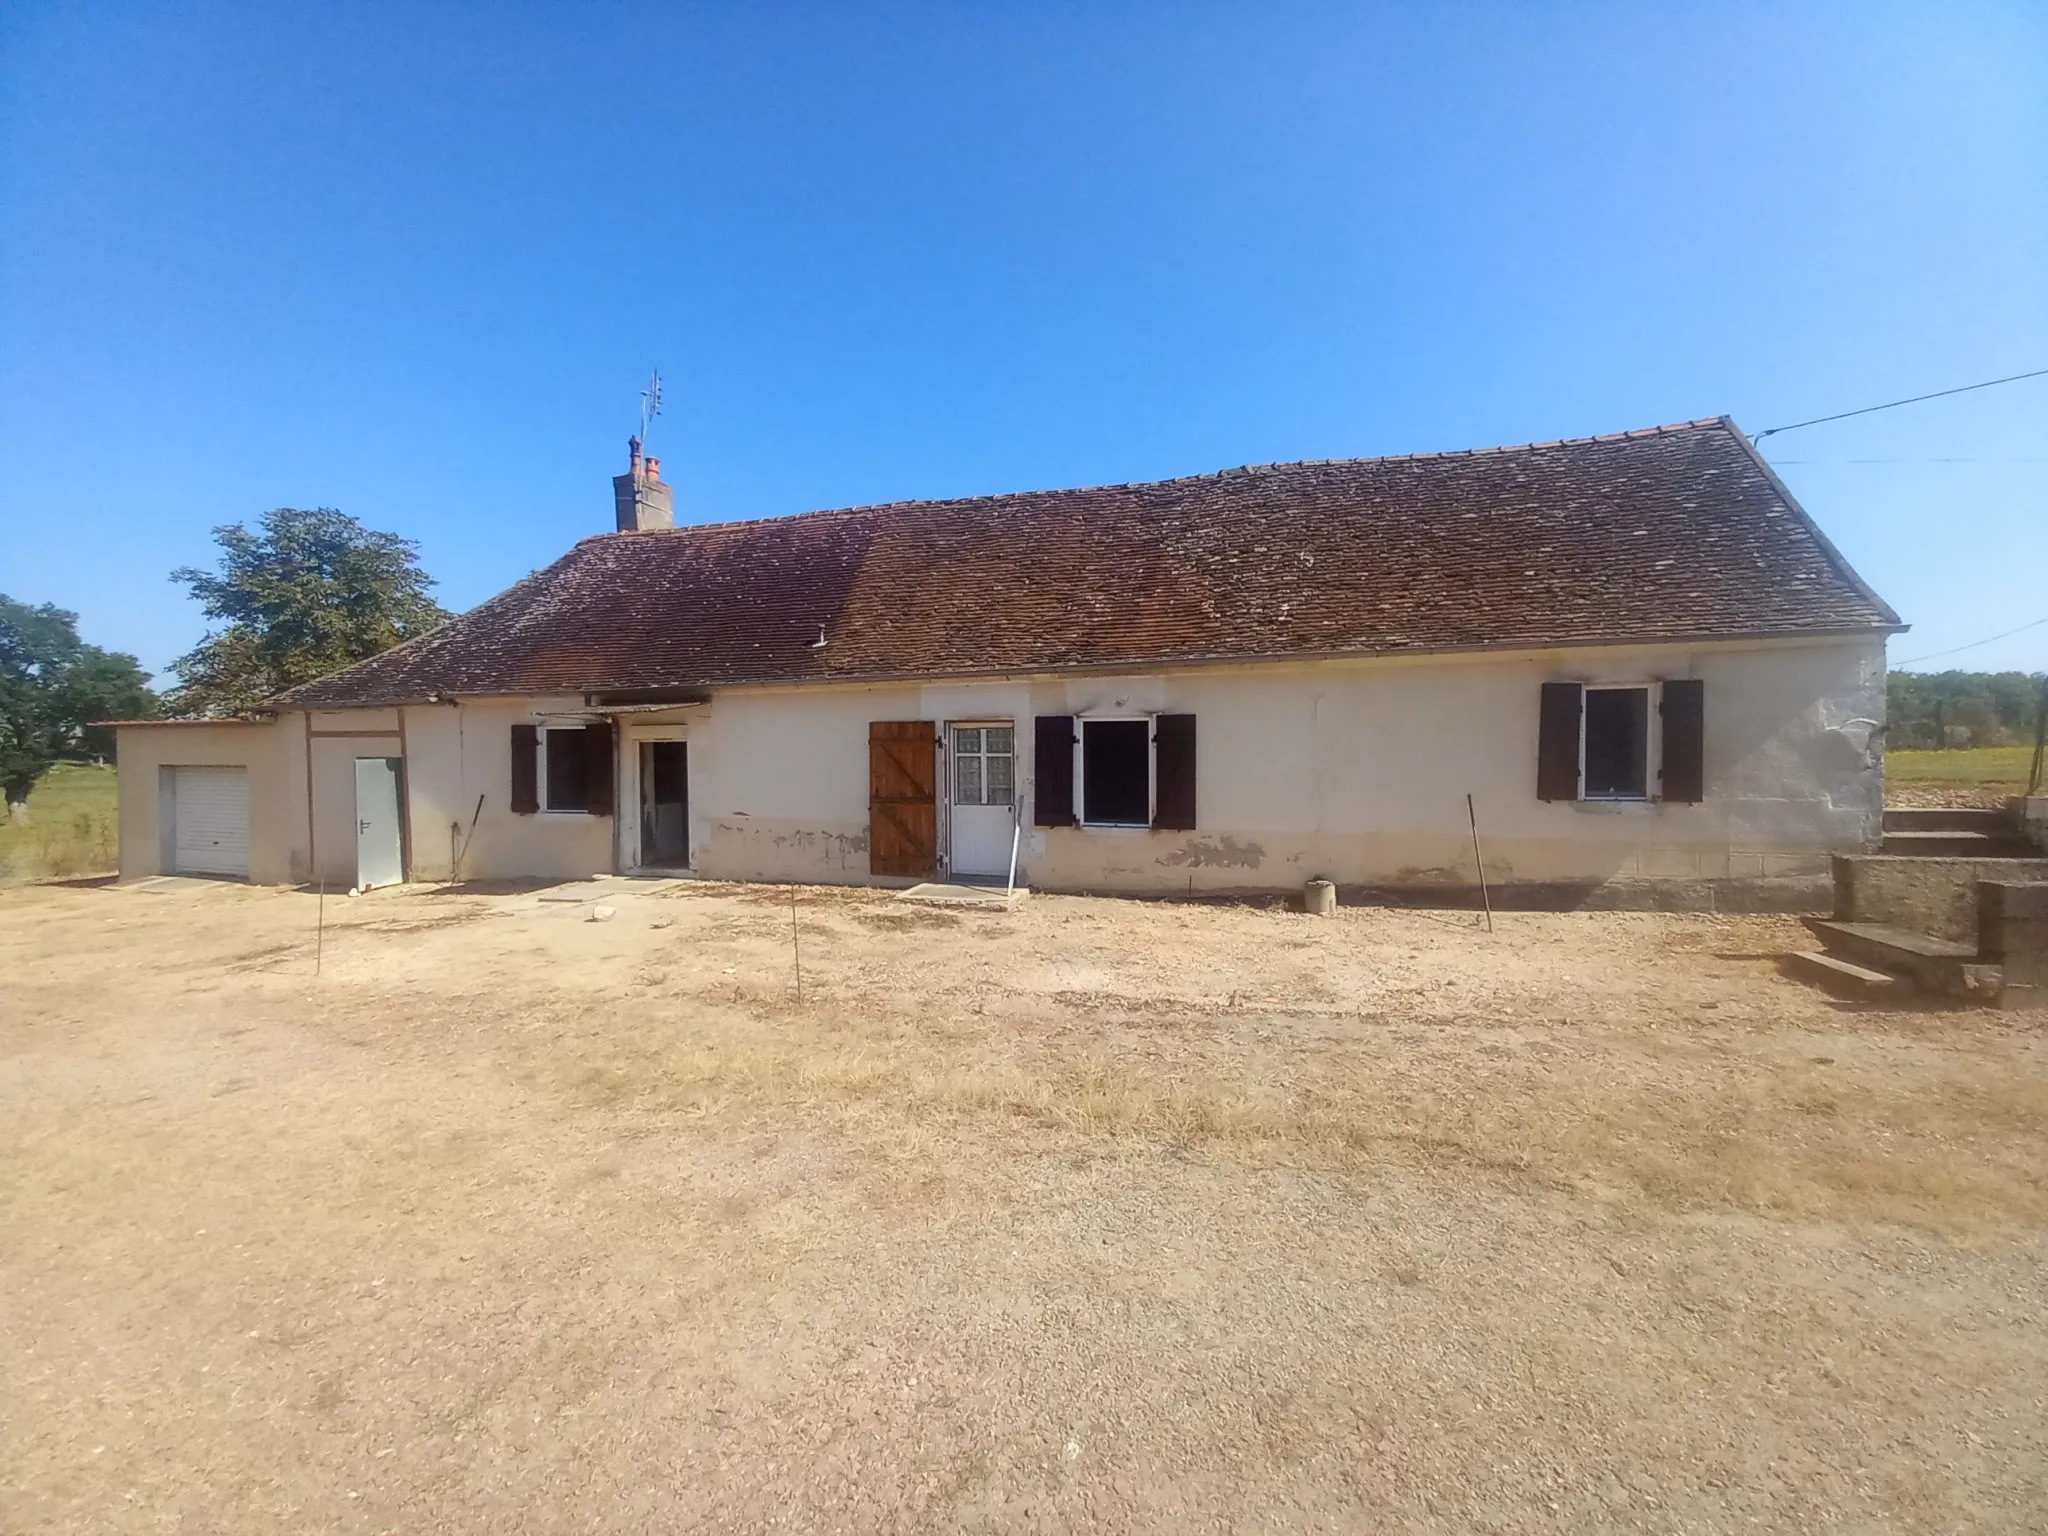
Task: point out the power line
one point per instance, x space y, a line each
1953 650
1961 389
1908 461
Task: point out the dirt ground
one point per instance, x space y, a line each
1089 1215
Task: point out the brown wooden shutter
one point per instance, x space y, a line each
525 769
597 768
1557 746
1173 773
1684 774
1052 771
903 812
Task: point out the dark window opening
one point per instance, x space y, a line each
567 776
1116 772
1617 744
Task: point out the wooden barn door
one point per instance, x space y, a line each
903 814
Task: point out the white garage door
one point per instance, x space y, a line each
212 810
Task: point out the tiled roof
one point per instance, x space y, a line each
1669 533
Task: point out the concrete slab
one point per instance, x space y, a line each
170 885
1844 976
606 886
939 893
1903 941
1936 965
609 888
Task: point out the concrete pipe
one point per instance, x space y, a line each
1319 899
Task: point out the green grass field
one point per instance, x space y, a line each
1992 768
70 830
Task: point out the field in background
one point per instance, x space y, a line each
70 830
1957 776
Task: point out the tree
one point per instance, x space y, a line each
310 593
1961 709
52 685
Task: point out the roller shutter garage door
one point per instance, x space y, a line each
212 829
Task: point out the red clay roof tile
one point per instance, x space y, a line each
1666 533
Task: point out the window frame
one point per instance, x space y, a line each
1653 743
952 758
1081 724
540 772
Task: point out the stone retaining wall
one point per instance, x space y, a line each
1926 895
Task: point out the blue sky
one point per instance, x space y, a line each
416 260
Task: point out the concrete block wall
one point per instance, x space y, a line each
2012 929
1931 896
2032 811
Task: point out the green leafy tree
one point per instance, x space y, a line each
310 592
52 685
1962 709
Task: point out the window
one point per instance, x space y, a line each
1131 773
1116 773
1616 744
565 770
984 765
1599 743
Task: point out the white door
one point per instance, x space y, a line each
210 821
984 775
380 849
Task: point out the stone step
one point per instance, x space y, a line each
1952 818
1941 843
1935 965
1844 977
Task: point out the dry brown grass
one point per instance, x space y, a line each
1958 1152
1089 1215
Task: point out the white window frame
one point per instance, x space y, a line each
950 756
1081 724
1653 741
540 772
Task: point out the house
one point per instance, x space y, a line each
1654 676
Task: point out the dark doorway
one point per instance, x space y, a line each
664 804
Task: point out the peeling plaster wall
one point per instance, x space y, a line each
1360 774
1352 771
1355 772
779 781
456 753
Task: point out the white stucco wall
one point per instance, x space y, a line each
457 753
277 852
1354 771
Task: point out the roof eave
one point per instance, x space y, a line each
1128 665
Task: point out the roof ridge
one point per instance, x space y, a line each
1145 485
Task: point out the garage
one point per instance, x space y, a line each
210 821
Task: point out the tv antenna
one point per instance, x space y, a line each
650 403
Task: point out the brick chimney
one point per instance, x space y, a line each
642 499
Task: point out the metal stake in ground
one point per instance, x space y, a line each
2040 741
1485 900
795 950
320 929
